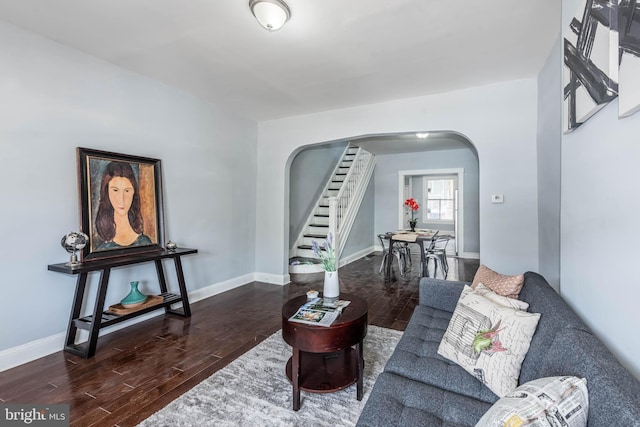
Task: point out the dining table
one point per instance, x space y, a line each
420 236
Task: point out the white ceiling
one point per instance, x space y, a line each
331 54
409 142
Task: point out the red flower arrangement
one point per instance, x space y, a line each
413 207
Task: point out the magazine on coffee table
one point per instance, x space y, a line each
318 312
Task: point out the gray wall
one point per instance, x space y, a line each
386 178
55 99
549 156
310 170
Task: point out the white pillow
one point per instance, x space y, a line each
486 292
551 402
488 340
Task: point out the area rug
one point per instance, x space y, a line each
253 390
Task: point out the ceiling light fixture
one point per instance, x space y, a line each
271 14
423 135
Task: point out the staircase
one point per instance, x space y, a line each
335 210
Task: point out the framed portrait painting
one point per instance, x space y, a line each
120 203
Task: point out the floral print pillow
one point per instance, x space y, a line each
488 340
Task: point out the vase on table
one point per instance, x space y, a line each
331 290
412 224
134 298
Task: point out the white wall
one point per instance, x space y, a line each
600 229
599 223
54 99
499 119
549 165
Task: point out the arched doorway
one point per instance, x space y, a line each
397 155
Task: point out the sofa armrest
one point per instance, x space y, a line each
440 294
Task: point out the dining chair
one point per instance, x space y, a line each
437 251
390 250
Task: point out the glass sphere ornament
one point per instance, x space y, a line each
72 242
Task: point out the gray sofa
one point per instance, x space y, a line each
420 388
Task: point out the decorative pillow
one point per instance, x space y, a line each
553 401
508 286
488 340
482 290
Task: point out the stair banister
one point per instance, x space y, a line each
349 197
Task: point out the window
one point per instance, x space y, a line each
439 198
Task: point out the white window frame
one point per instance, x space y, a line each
425 197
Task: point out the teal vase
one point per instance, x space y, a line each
134 298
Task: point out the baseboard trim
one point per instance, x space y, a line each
470 255
24 353
356 256
274 279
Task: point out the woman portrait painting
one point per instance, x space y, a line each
119 222
120 203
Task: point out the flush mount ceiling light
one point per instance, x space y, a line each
422 135
271 14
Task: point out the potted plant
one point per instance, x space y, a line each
412 207
327 255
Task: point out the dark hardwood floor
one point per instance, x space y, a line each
138 370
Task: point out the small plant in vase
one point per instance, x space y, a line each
327 255
412 207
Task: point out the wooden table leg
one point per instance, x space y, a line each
183 287
295 378
97 313
75 310
359 349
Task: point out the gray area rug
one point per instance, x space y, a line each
253 390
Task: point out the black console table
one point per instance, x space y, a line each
100 318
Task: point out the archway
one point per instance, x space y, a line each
440 150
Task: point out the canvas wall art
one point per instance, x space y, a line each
629 57
590 61
120 203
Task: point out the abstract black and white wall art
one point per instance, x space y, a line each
629 56
590 61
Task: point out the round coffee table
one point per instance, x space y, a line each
324 359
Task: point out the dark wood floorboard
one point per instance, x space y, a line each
140 369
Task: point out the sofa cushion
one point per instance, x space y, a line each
416 357
556 315
488 340
398 401
545 402
440 294
508 286
614 394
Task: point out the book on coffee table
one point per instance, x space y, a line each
318 312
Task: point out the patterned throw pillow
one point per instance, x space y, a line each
488 340
553 401
508 286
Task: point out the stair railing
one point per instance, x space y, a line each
343 208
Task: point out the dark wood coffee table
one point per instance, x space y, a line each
324 359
